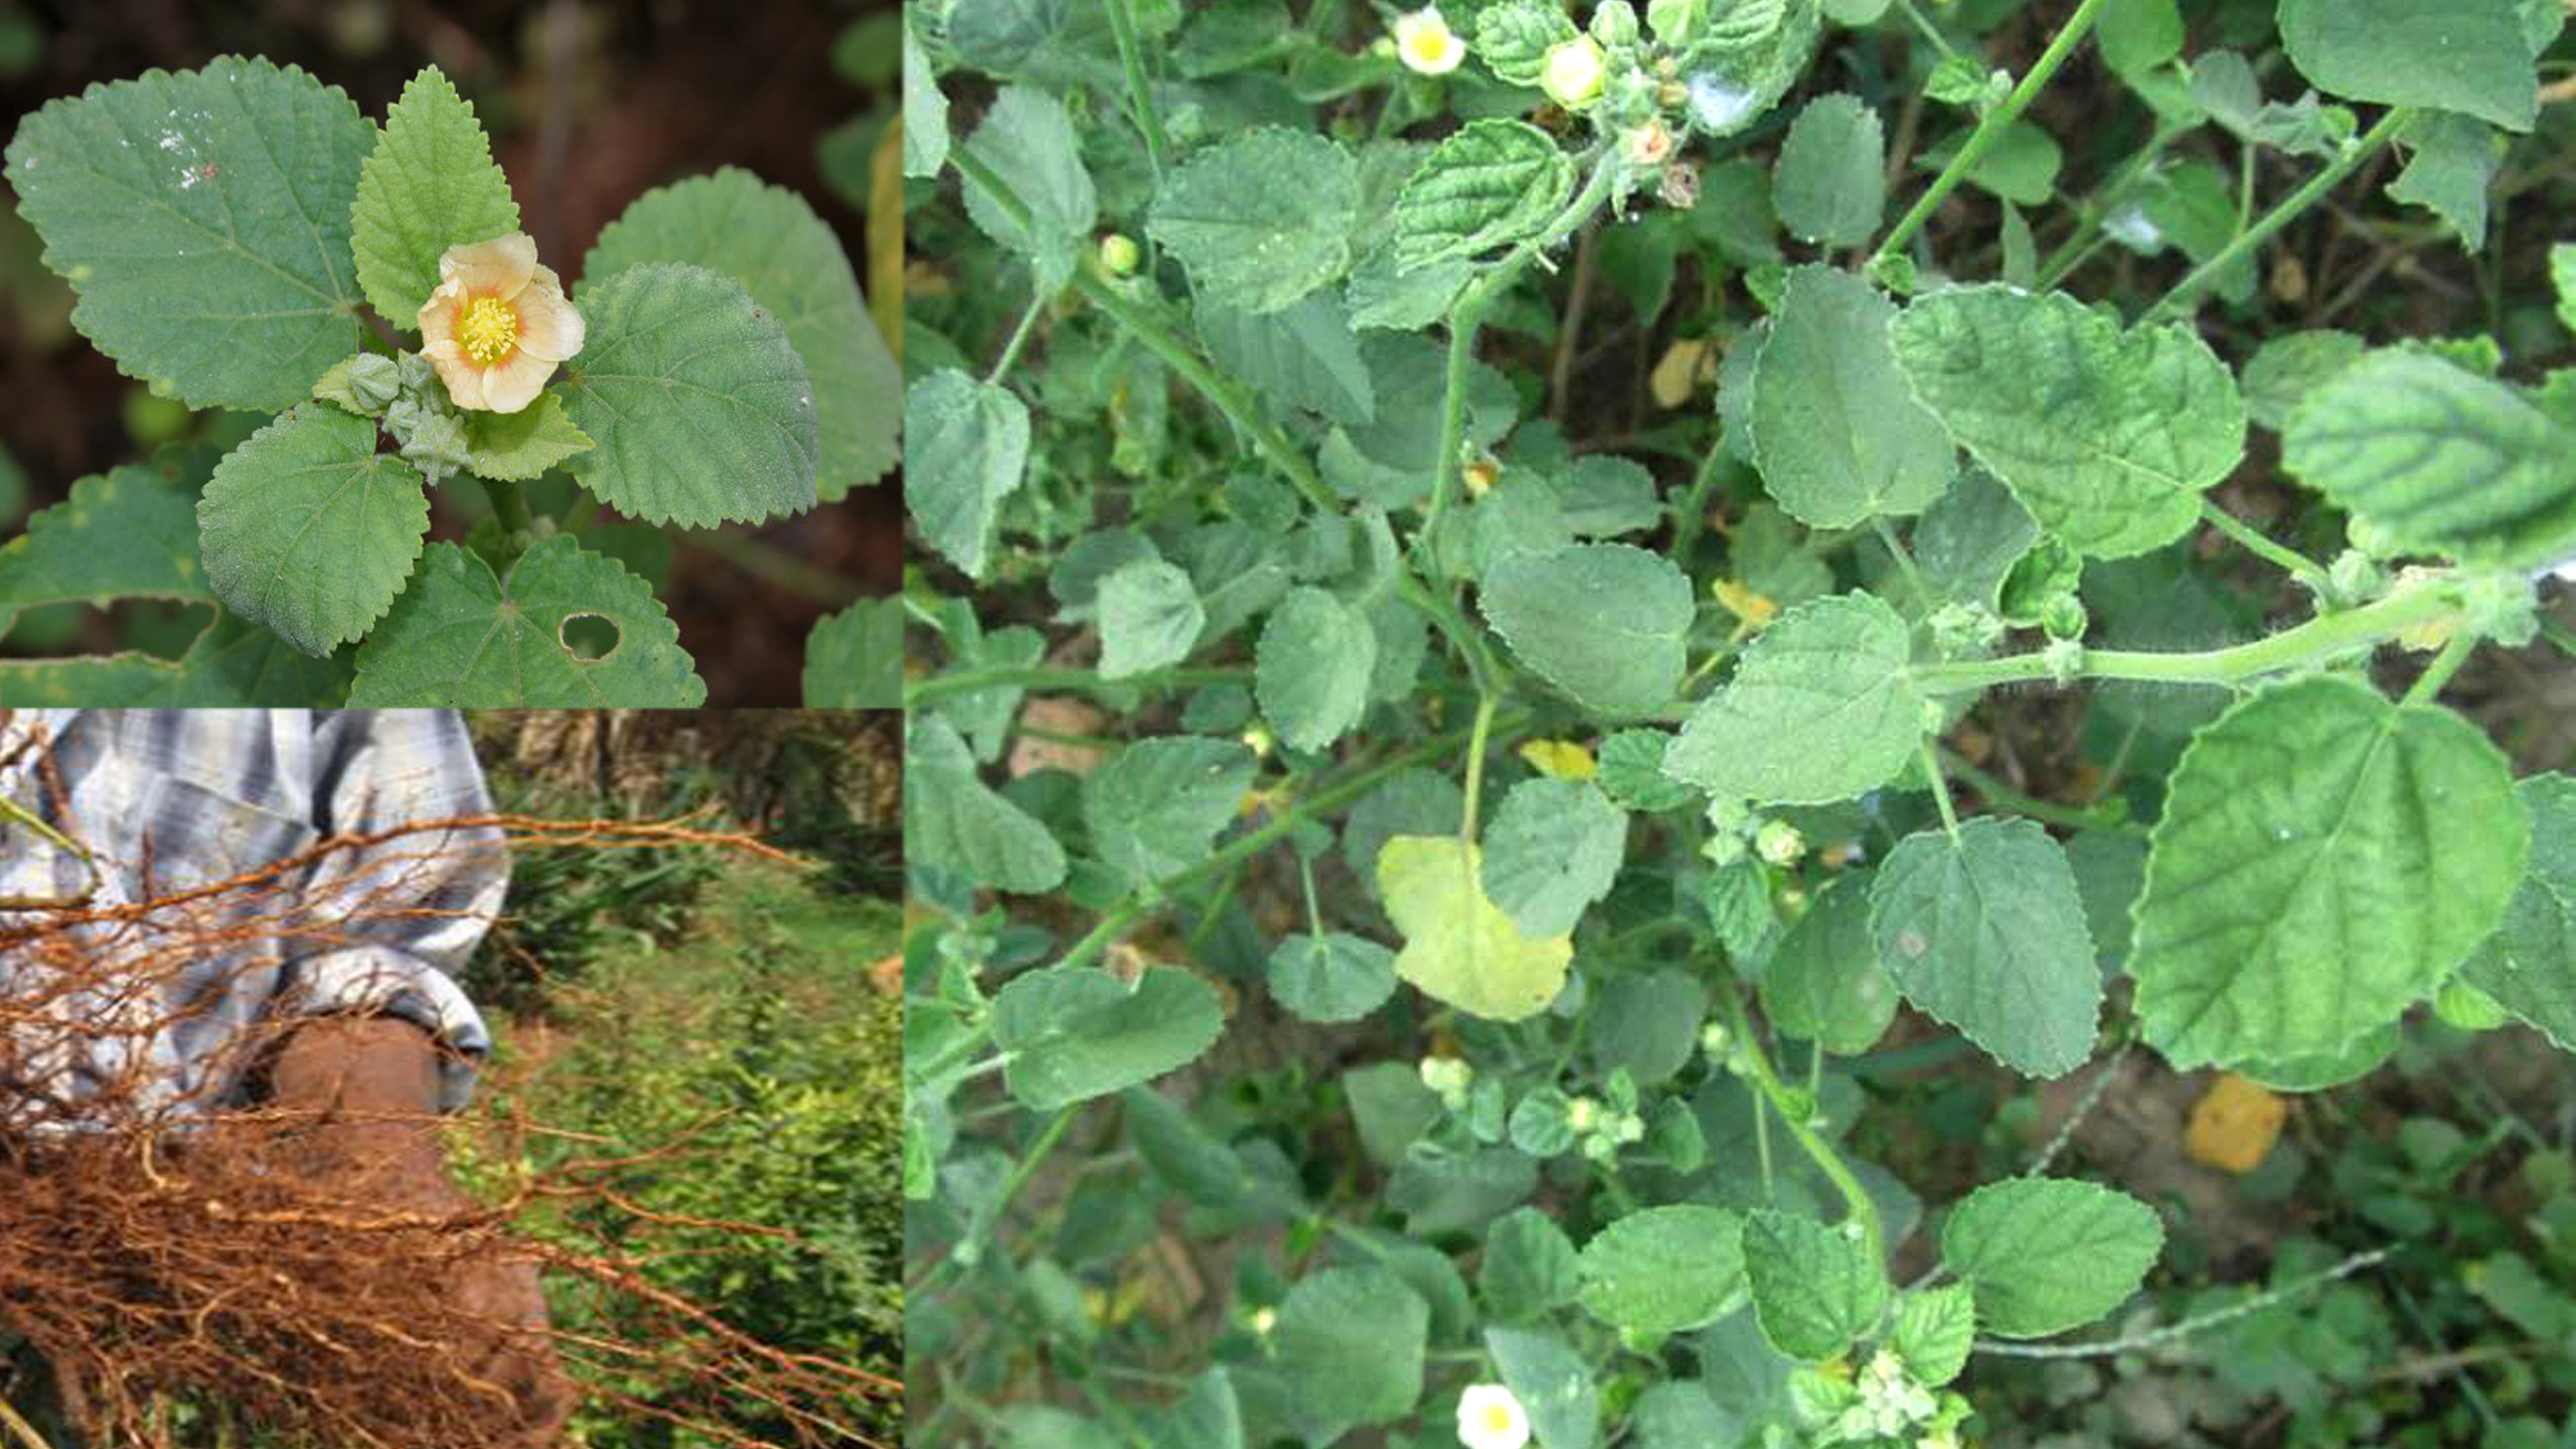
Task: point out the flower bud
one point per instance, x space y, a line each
1615 23
1119 254
1649 144
1779 843
1574 72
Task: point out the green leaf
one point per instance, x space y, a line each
953 822
1830 184
1966 543
2438 459
1552 1382
2455 161
1933 1332
1824 982
925 111
2048 1254
969 450
1155 809
203 219
567 627
1665 1269
1838 436
121 534
2529 964
1552 850
698 404
1820 709
1514 37
1604 622
429 185
1028 141
2137 36
1528 1268
1311 668
1261 218
2326 859
232 665
2288 367
1815 1288
1459 947
2107 436
2462 55
854 659
1305 355
769 239
1073 1034
1490 184
1150 616
1632 772
309 530
513 447
1332 977
1349 1344
2562 277
1985 930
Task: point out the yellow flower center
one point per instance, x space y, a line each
488 330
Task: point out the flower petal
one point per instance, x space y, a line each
515 381
438 315
499 267
464 380
549 327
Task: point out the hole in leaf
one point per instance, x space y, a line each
588 637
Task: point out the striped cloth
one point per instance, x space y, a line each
167 800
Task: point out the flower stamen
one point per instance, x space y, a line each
488 330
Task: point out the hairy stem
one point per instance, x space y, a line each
1469 315
2310 644
2360 150
1794 1117
1991 129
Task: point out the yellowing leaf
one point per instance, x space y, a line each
1459 947
1559 759
2234 1124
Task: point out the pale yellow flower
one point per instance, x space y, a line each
1489 1417
498 324
1427 43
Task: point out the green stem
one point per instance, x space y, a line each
1476 766
2088 234
1236 404
2047 812
967 681
2311 643
1694 513
2360 150
1126 913
1469 315
1991 130
1830 1162
1122 26
1019 339
2444 665
509 505
1940 787
772 564
2252 540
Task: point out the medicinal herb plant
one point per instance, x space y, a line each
241 237
1541 601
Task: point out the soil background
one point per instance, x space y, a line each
590 103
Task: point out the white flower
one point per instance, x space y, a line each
1574 73
498 324
1490 1418
1427 43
